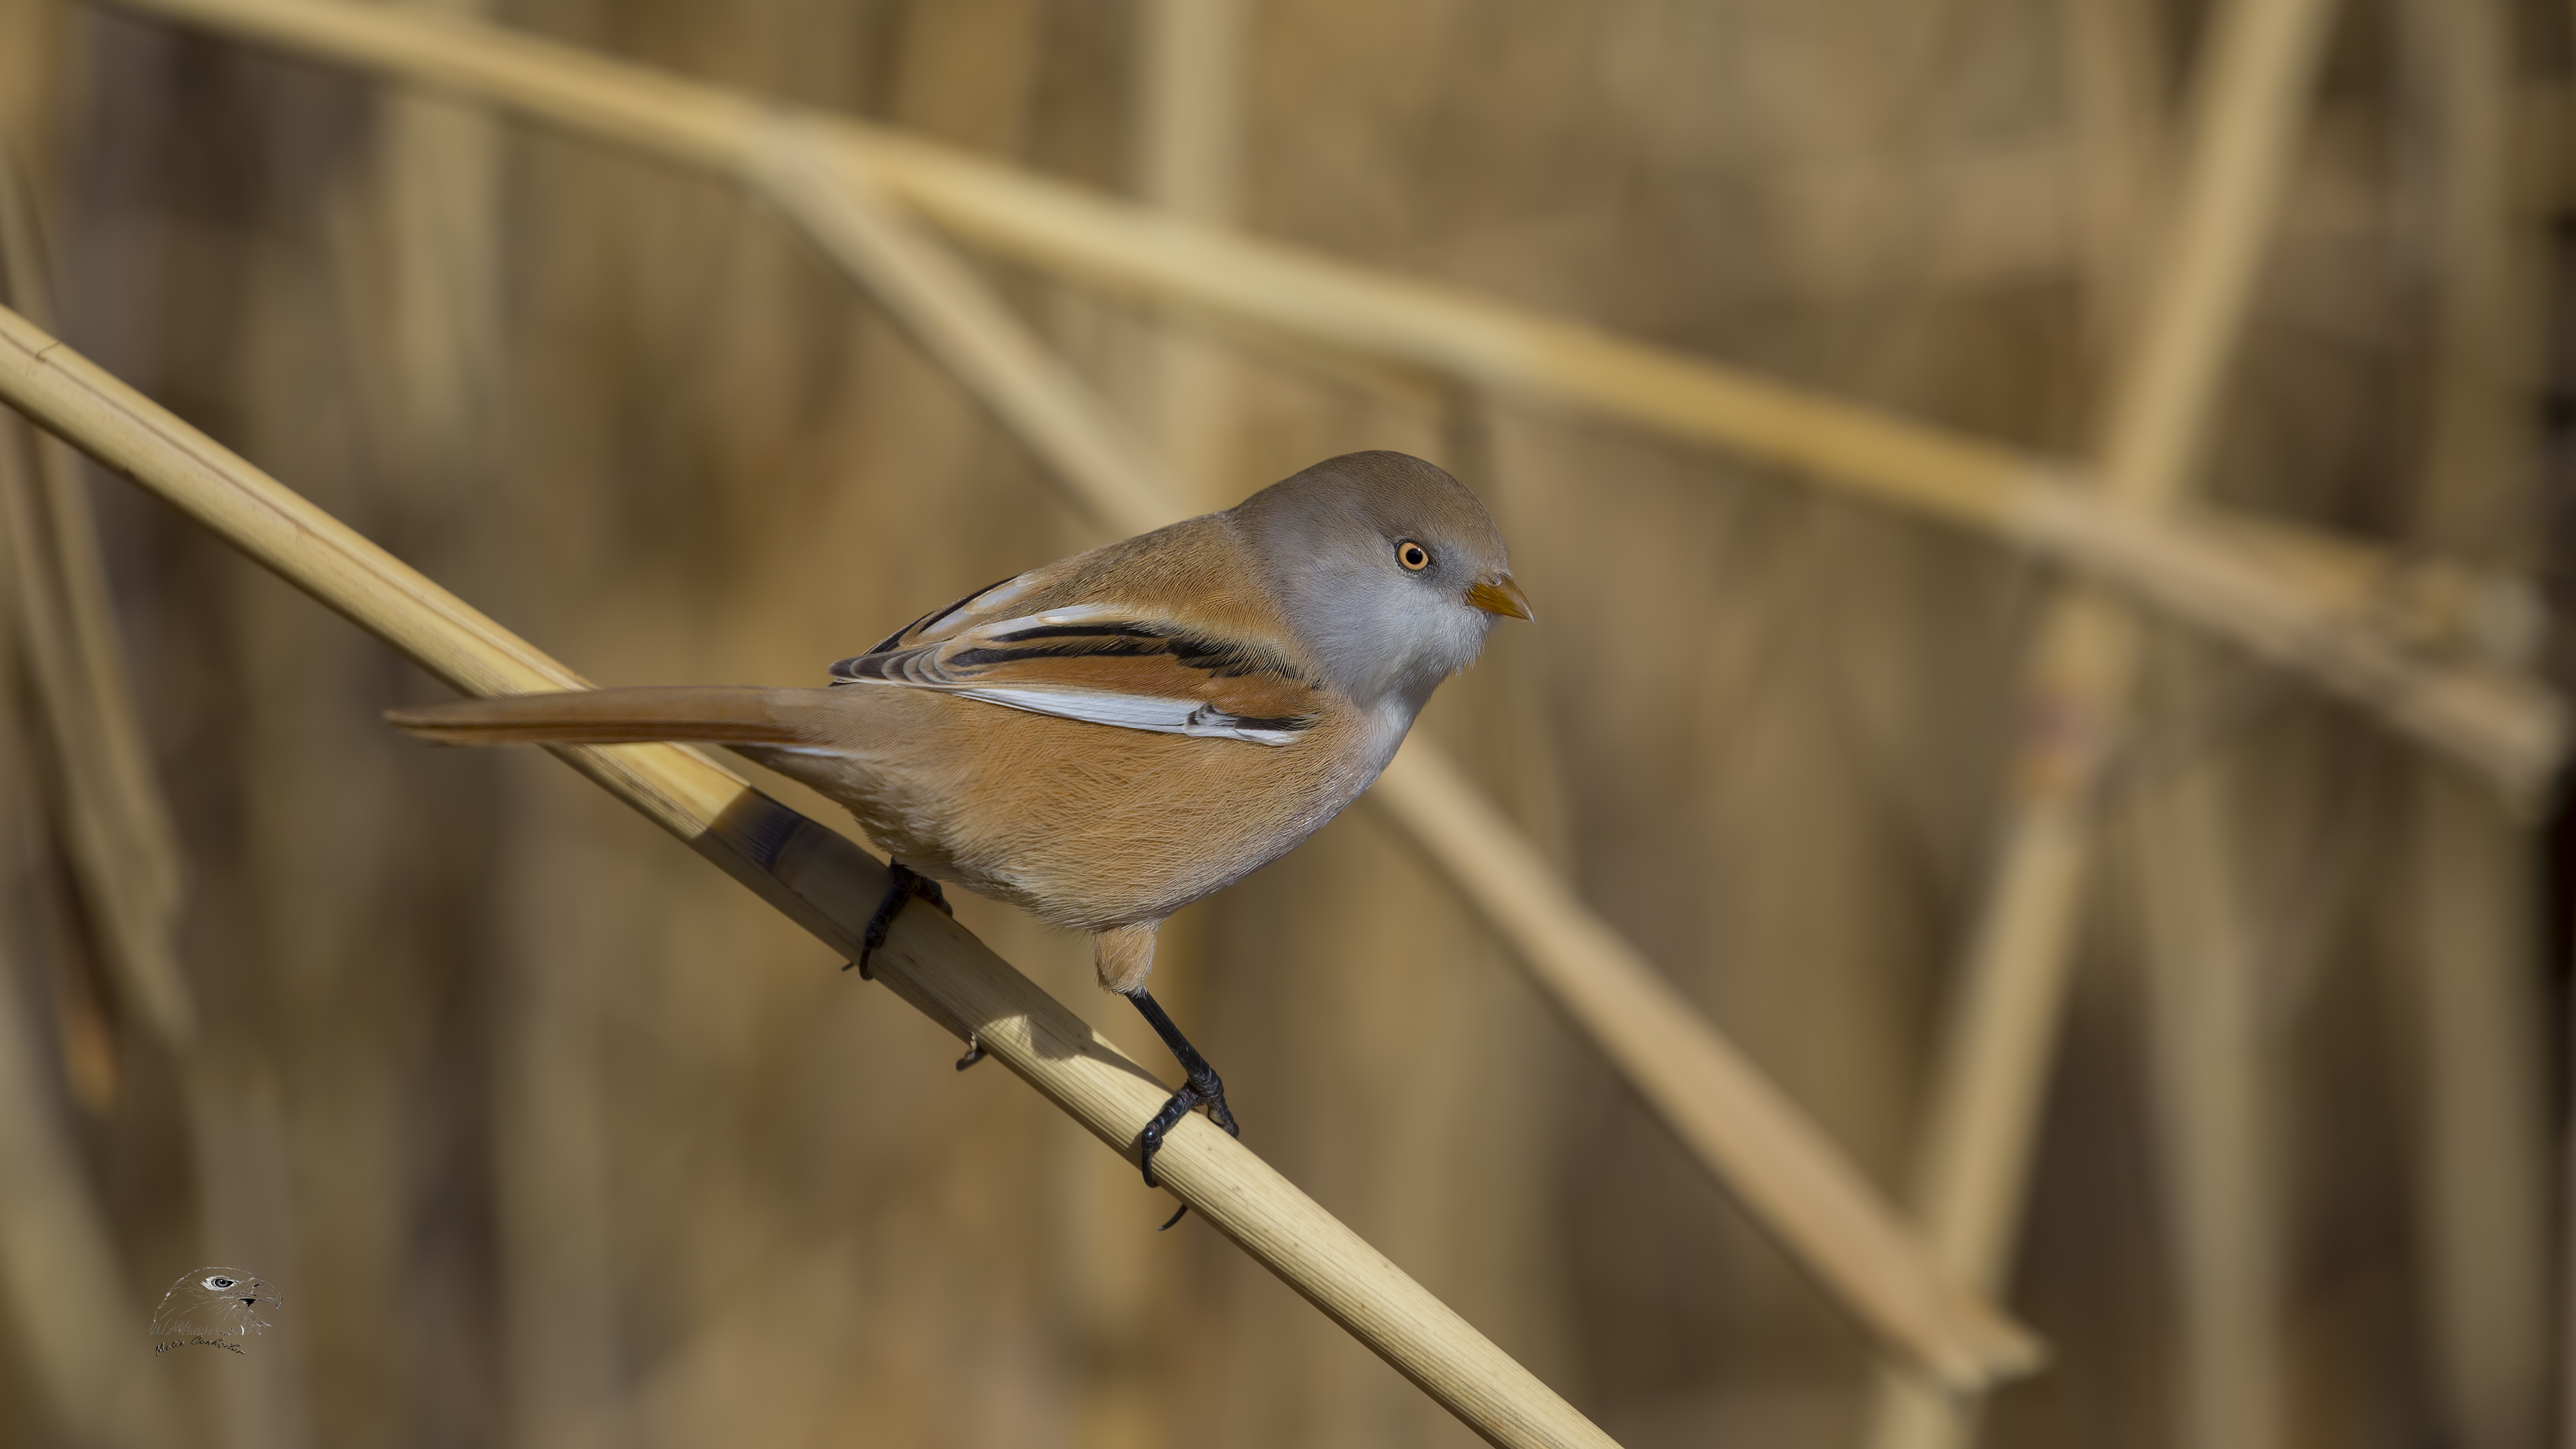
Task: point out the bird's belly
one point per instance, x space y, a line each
1136 840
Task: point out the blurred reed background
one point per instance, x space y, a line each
550 1136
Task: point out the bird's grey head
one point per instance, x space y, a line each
1391 571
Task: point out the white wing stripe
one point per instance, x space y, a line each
1131 711
1077 614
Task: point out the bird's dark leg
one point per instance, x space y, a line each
901 885
1202 1089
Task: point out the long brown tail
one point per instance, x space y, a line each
724 715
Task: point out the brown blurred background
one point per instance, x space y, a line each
551 1136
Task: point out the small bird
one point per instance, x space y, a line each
1108 738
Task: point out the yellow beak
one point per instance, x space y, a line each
1497 594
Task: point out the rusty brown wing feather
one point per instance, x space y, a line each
1160 633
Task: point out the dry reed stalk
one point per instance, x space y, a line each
440 158
2466 1000
1991 1076
32 82
553 1184
2212 1101
1194 72
124 850
811 874
1798 1184
2469 992
132 792
61 1287
2503 723
2206 1060
64 1292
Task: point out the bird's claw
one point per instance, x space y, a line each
902 885
1212 1095
1203 1090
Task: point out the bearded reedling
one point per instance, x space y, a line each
1108 738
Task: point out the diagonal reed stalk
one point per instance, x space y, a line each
812 874
1748 1133
2300 601
1991 1079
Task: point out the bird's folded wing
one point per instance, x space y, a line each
1108 663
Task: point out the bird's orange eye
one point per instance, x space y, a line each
1413 556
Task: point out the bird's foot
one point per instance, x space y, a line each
1202 1089
901 885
